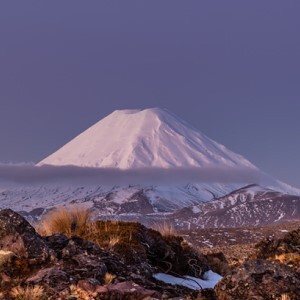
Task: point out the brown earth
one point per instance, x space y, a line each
236 243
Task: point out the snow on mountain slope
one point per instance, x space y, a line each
144 138
250 206
109 199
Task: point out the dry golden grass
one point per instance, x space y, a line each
5 256
28 293
64 220
288 258
113 240
285 297
166 229
108 278
79 293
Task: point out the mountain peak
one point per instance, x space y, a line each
150 137
153 112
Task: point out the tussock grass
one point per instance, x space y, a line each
28 293
287 258
108 278
78 293
5 256
166 229
113 240
64 220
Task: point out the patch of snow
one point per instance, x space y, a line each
196 209
210 279
208 243
280 217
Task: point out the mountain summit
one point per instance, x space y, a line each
144 138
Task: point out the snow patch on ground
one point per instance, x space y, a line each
210 279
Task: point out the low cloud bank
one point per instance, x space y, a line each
46 174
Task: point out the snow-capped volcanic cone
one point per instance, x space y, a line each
144 138
154 137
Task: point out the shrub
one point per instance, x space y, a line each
166 229
64 220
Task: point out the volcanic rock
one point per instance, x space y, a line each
19 237
261 280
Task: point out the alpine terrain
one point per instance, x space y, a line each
156 139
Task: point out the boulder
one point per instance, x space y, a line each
261 280
19 237
53 277
218 263
285 250
137 244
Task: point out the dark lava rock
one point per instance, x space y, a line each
290 243
261 280
57 242
19 237
85 266
285 250
78 258
218 263
138 244
53 277
90 285
81 266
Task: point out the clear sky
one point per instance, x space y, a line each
230 68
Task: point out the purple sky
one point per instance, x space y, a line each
230 68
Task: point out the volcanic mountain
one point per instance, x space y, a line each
148 139
144 138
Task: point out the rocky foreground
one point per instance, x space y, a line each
118 260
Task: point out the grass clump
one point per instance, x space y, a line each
64 220
285 297
108 278
28 293
166 229
5 256
79 293
121 237
113 240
